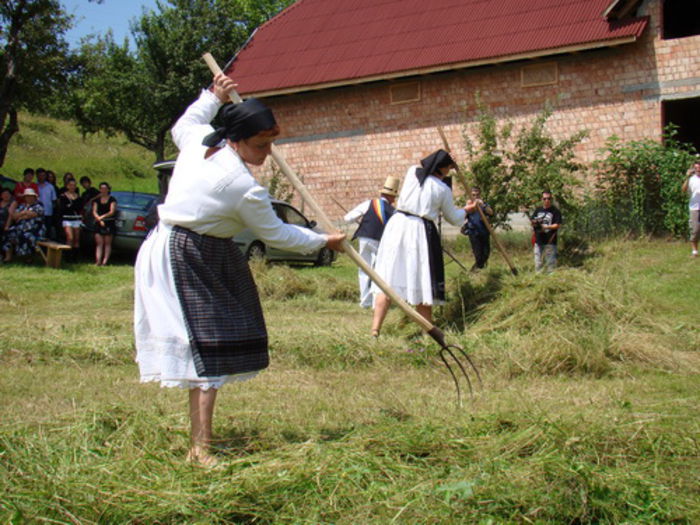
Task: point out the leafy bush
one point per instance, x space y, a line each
638 186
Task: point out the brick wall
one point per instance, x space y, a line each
343 142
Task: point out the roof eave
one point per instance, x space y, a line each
446 67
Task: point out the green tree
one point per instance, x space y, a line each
32 59
141 94
512 167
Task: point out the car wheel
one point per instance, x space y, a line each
256 251
325 257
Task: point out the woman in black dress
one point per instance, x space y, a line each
104 210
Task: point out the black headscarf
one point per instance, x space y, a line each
432 163
241 121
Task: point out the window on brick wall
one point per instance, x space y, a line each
681 18
683 113
404 92
544 74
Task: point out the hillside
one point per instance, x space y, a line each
58 145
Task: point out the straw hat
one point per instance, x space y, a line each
29 191
391 186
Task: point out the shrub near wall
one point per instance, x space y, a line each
639 185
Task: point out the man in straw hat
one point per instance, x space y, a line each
373 215
198 322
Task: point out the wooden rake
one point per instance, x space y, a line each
448 353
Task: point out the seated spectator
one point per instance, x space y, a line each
71 206
89 193
6 201
26 182
104 209
26 227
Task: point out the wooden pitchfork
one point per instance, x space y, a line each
486 222
448 353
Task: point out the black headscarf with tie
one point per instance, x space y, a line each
432 163
241 121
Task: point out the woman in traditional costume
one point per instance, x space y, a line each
197 315
409 258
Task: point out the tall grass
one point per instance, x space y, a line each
588 415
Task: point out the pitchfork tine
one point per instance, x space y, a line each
471 363
454 377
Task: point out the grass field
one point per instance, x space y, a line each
588 413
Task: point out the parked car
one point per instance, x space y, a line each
246 240
133 208
254 247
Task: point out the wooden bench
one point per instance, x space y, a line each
52 257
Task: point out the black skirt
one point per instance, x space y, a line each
220 303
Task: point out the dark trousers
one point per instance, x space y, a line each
481 248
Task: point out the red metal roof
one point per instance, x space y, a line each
317 43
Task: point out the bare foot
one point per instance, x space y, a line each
201 457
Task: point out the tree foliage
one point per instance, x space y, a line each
142 93
512 167
639 185
32 59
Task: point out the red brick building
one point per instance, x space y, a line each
360 86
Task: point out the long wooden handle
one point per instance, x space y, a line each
496 240
328 226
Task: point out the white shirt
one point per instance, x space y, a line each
429 200
694 190
219 196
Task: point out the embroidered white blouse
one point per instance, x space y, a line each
218 196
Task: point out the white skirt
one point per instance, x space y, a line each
163 351
403 260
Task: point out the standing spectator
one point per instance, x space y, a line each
409 258
51 179
71 206
104 210
545 221
6 204
374 214
479 236
692 186
26 182
27 227
89 193
66 177
47 198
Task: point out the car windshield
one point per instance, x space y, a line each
134 201
291 216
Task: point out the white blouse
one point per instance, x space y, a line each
218 196
428 200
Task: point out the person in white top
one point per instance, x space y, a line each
372 216
692 186
409 258
197 317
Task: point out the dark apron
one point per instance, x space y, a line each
437 265
220 303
